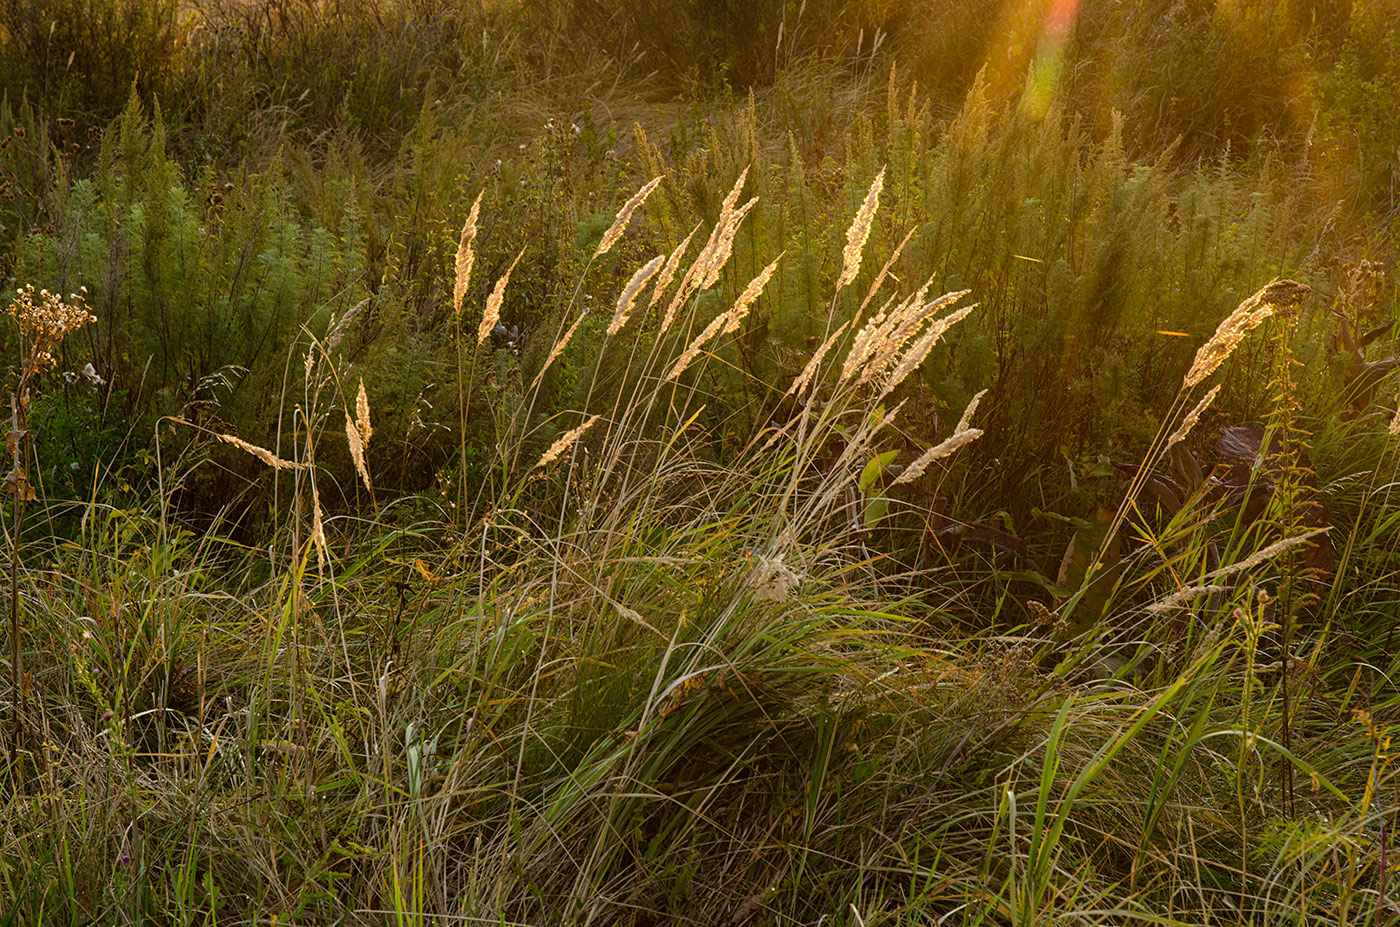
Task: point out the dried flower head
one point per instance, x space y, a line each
45 319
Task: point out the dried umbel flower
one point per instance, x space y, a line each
492 315
628 298
1192 418
465 258
45 319
565 442
859 231
624 216
1276 297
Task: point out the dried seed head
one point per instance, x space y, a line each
558 348
735 316
465 258
809 372
961 436
565 442
261 453
860 231
668 272
492 315
340 328
628 297
1192 418
1276 297
624 216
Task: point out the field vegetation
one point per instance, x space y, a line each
725 462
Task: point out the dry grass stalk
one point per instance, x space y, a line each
859 231
884 273
965 422
703 273
945 448
261 453
465 258
1275 297
565 442
1192 418
492 315
914 356
362 413
809 372
1183 597
962 436
628 297
624 216
668 272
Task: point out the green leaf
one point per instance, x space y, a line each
876 466
875 510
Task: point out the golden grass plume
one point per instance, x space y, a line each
565 442
492 315
624 216
628 298
1277 296
859 231
465 258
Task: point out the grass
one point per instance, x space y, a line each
660 546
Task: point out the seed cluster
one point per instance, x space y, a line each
46 318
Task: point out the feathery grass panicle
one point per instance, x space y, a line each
338 330
877 346
1277 296
1183 596
1191 419
261 453
358 431
1394 428
1267 553
492 315
735 316
813 365
565 442
624 216
949 446
914 356
965 422
859 231
668 272
628 298
558 348
884 273
465 258
705 271
688 356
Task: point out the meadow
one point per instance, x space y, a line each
826 462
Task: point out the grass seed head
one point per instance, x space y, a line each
859 231
492 315
624 216
565 442
1192 418
465 258
628 298
1275 297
